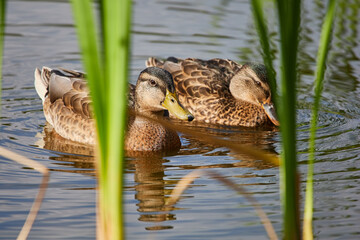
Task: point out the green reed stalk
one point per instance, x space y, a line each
2 33
106 65
289 20
320 71
257 7
116 19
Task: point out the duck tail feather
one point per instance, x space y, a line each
154 62
42 82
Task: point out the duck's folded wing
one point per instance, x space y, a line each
226 67
78 99
198 81
73 91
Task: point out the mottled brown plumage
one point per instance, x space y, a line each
221 91
67 107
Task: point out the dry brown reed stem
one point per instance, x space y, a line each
242 149
38 200
185 182
182 185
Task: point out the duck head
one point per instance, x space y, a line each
250 84
155 92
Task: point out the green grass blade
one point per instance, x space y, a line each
260 22
289 20
320 71
2 33
107 76
116 30
88 42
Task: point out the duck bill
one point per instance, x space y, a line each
270 112
172 104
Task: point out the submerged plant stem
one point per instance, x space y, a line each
185 182
42 189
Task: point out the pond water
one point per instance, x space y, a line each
42 33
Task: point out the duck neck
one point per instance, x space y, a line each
147 113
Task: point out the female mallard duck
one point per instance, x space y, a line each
221 91
66 104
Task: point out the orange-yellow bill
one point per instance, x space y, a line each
172 104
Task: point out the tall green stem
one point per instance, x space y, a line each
116 30
2 33
289 20
107 72
320 71
257 7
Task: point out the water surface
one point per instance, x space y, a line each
42 33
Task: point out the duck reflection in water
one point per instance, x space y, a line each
151 189
148 171
150 184
76 156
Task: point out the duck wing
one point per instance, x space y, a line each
202 87
212 73
226 67
71 87
196 80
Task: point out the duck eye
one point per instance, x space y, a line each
258 83
152 82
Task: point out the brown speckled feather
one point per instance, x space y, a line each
143 135
203 88
67 107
